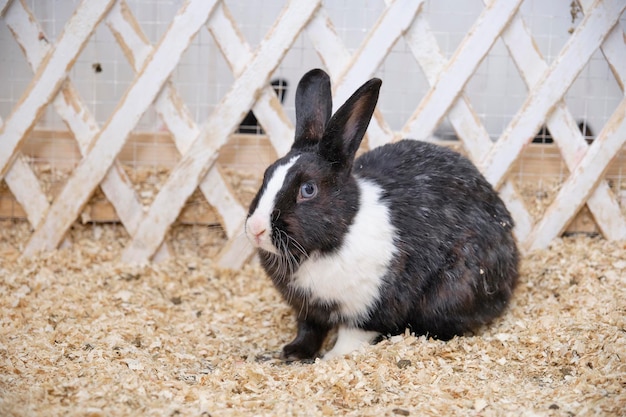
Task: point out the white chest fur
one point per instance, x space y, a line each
352 277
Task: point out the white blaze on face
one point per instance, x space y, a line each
259 225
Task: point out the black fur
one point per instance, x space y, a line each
451 226
456 264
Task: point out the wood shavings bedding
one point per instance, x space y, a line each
84 335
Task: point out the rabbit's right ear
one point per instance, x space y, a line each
313 108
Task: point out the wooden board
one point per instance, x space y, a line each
250 155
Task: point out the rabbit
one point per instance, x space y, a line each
408 236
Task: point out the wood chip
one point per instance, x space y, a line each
83 334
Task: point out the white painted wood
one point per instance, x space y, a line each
46 82
20 179
338 60
466 123
613 48
78 118
173 111
391 24
27 190
328 44
460 68
236 251
587 37
25 29
129 35
268 109
142 92
219 194
464 120
602 204
231 109
582 181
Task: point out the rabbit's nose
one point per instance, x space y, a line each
256 229
258 236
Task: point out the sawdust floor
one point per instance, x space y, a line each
83 335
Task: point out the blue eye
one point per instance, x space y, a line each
308 190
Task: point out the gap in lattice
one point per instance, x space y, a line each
551 24
451 20
254 22
353 19
496 90
101 74
154 16
594 95
538 176
404 85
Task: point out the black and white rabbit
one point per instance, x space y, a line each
409 235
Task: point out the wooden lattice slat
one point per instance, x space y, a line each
20 178
77 117
460 68
203 152
175 114
552 86
583 180
564 128
237 53
199 145
50 74
142 92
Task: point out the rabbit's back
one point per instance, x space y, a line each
456 263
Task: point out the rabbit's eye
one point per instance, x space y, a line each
308 190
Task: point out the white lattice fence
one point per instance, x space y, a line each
199 144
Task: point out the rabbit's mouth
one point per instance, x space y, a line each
259 235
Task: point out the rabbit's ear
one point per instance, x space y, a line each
345 131
313 108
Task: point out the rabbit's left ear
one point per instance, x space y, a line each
313 108
345 130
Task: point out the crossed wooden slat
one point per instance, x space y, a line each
605 209
214 133
51 72
199 146
460 68
238 53
78 118
175 114
547 92
564 129
177 117
95 164
463 118
20 178
551 87
349 71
